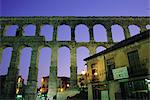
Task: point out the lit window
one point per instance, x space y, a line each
19 80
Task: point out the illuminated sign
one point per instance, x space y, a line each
147 81
19 96
120 73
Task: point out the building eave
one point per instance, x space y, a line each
131 40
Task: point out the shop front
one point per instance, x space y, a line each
100 91
135 90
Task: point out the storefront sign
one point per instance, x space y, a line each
149 87
147 81
120 73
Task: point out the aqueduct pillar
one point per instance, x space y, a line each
31 88
52 85
73 68
12 74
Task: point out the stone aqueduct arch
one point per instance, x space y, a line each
36 42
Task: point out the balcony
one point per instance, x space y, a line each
137 71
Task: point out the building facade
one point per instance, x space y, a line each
63 83
44 85
20 88
121 71
82 81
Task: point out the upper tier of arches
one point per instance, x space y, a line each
98 29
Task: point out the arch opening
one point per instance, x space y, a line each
82 53
64 33
117 33
82 33
134 30
100 48
44 64
47 32
100 34
24 64
148 26
29 30
11 30
63 62
6 58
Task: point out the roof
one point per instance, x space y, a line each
62 77
131 40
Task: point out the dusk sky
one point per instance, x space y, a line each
66 8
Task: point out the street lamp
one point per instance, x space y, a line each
61 89
84 80
95 74
83 72
68 85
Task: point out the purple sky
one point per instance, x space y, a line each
67 8
75 7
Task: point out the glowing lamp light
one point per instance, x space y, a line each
42 80
68 85
17 91
61 90
83 72
85 65
95 74
40 90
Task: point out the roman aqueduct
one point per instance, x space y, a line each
37 42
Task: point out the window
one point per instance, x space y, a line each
134 64
93 65
110 65
94 72
134 61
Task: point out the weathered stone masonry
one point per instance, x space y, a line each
37 42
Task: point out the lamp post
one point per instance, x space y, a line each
84 80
